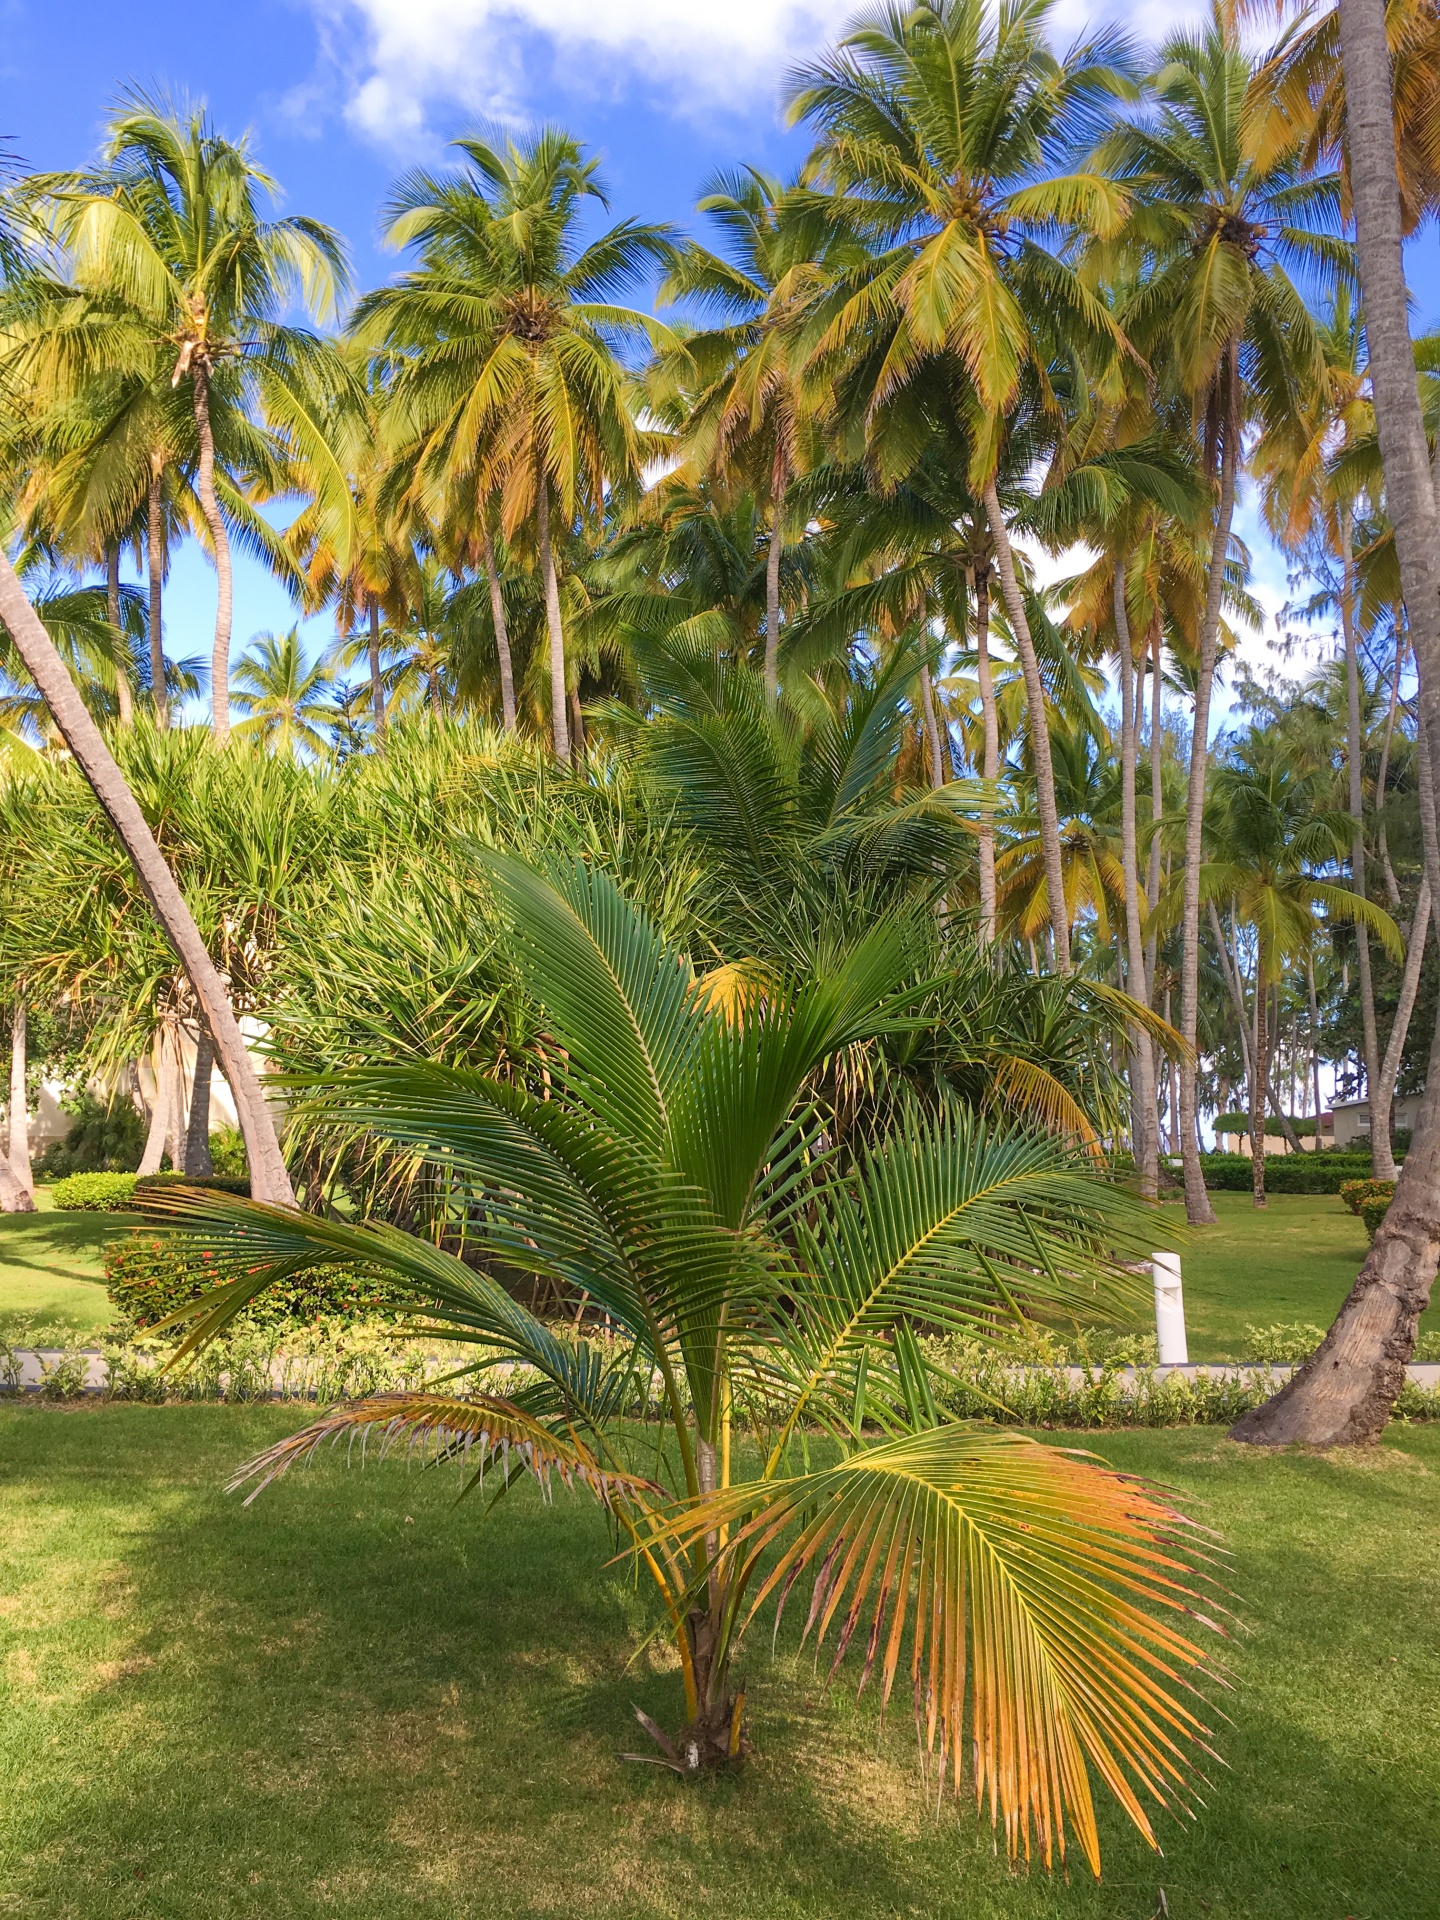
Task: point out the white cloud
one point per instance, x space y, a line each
404 58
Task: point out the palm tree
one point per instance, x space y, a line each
287 705
1347 1389
498 349
86 743
747 407
170 233
665 1179
1221 215
938 123
1271 836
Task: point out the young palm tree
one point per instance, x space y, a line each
171 235
671 1169
499 351
1222 215
288 705
938 123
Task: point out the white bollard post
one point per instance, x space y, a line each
1169 1310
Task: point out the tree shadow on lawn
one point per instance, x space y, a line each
353 1697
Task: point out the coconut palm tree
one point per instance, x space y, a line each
170 236
498 349
939 123
287 705
670 1176
1347 1389
1222 215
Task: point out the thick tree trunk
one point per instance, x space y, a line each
560 726
124 698
197 1132
1039 729
1259 1082
932 729
220 544
502 631
377 685
175 1139
17 1158
269 1179
1354 752
772 604
1197 1202
155 563
1142 1084
1346 1390
990 766
160 1113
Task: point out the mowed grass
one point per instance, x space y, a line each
1294 1260
51 1268
356 1700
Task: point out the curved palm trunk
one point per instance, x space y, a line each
1346 1390
990 769
1259 1084
17 1158
155 563
502 631
1197 1202
558 721
1039 729
932 729
1142 1084
220 543
377 685
124 699
1152 877
1392 885
269 1179
1354 748
197 1132
1382 1097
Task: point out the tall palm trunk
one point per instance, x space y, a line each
560 724
220 544
990 767
1039 729
155 563
1382 1094
269 1179
932 729
160 1113
1346 1390
1152 877
772 605
1142 1084
124 699
1392 885
1314 1037
197 1132
377 685
497 618
1197 1202
17 1158
1259 1085
1354 750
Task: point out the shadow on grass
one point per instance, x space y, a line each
353 1698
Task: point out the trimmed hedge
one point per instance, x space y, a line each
1285 1173
148 1277
1374 1208
1356 1192
1240 1123
94 1193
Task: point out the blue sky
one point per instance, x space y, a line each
341 95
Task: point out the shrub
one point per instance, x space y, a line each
1288 1173
148 1277
1356 1192
1283 1345
1374 1209
157 1183
227 1154
95 1193
1240 1123
104 1139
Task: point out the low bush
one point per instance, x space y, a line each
1285 1173
103 1139
227 1154
148 1277
94 1193
1374 1209
1356 1192
155 1185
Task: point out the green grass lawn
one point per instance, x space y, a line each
356 1701
1296 1260
50 1267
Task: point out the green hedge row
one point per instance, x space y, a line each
148 1278
1286 1172
125 1192
1240 1123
